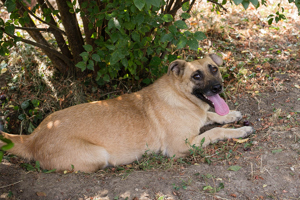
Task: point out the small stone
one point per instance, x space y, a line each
2 97
246 123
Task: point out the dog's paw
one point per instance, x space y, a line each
232 116
245 131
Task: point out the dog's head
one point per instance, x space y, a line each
201 79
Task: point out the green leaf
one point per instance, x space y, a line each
270 21
110 47
234 168
237 2
185 15
146 81
171 57
81 65
90 65
10 29
49 171
208 187
135 36
193 44
25 104
185 6
199 35
35 102
245 4
124 62
116 23
88 47
85 56
22 117
30 128
155 61
140 18
69 4
139 4
155 3
276 150
106 78
113 22
182 42
254 2
167 37
173 29
11 5
96 58
7 147
180 24
168 18
115 57
1 155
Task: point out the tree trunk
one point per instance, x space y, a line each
73 32
58 36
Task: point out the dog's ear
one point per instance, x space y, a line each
218 60
177 67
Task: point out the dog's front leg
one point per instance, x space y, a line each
217 134
232 116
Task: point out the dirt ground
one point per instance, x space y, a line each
269 168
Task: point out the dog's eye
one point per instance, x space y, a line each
197 77
213 69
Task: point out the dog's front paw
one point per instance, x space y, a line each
232 116
245 131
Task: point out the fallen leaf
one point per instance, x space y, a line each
265 185
41 194
3 70
233 195
234 168
240 140
277 150
297 86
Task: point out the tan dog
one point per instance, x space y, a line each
158 118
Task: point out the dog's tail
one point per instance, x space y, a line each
21 144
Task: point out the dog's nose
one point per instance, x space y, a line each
216 88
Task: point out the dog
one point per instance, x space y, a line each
164 117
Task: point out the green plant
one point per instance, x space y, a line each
6 146
123 39
36 167
208 187
113 40
152 160
196 150
29 114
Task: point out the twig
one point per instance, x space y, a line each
215 2
51 25
33 29
10 184
47 48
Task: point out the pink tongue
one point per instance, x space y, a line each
221 107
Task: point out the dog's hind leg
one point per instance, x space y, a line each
87 158
232 116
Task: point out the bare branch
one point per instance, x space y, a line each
44 47
33 29
220 5
51 25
